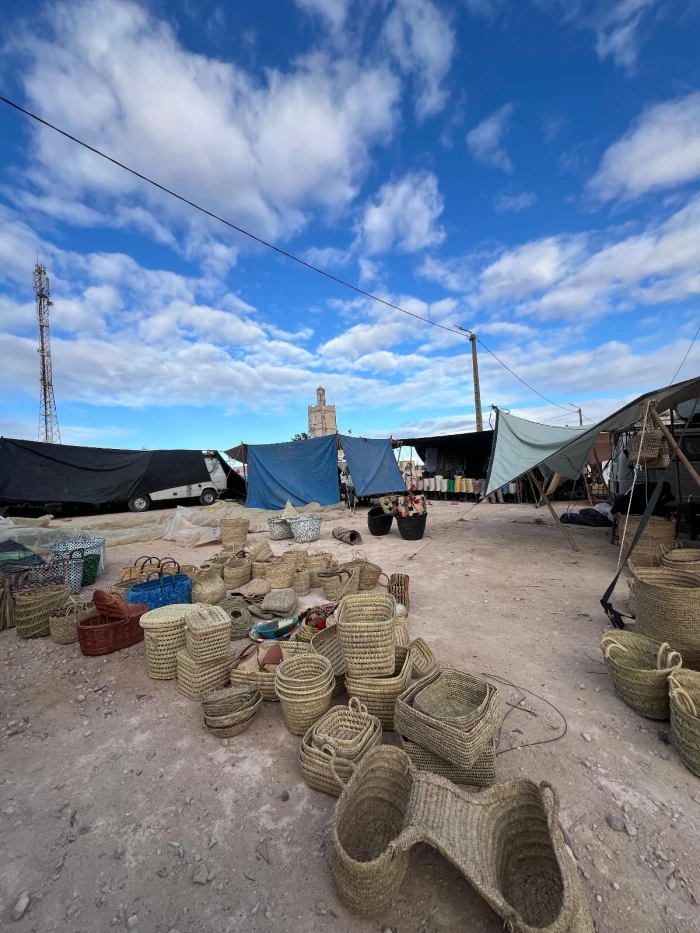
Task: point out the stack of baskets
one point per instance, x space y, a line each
304 686
449 721
164 633
234 532
256 669
640 668
204 664
335 744
681 558
667 607
63 622
229 711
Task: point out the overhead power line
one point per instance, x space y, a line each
687 353
282 252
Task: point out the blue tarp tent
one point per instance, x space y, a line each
301 471
372 465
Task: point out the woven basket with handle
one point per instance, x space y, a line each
685 716
640 668
667 607
63 622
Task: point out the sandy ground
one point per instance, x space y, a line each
97 781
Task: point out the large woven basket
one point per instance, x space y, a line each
234 532
423 658
208 586
279 529
316 563
164 634
685 716
640 668
482 773
33 607
251 671
379 694
306 528
261 551
339 582
327 642
302 581
63 623
237 571
258 569
667 607
659 532
367 633
473 708
681 558
99 634
304 686
197 680
163 590
207 633
140 569
295 557
279 574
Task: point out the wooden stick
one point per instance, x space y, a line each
672 441
565 531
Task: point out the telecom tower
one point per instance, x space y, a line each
48 417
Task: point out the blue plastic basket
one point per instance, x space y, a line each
164 590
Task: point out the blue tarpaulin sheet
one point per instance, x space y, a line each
299 471
372 465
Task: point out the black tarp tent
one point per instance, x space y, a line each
466 453
34 472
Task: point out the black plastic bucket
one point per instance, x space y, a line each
413 528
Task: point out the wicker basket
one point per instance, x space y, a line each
401 627
367 633
378 521
473 708
339 583
412 527
663 458
100 634
481 774
207 633
234 532
379 694
208 586
295 557
237 571
685 717
317 563
33 606
241 619
195 680
306 528
164 633
261 551
422 657
658 532
369 572
645 448
252 671
229 711
327 643
302 581
681 558
140 569
91 569
640 669
279 574
332 747
397 586
63 623
304 686
258 569
279 529
667 607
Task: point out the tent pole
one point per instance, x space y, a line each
549 505
672 441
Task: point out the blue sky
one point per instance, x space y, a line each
528 169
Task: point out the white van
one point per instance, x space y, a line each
207 492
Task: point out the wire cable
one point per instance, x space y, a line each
687 352
282 252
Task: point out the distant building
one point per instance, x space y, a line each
321 416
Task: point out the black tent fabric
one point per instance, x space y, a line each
471 449
34 472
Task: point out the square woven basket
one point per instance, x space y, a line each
195 680
207 632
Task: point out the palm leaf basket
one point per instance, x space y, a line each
481 774
63 622
367 633
379 694
331 748
685 716
640 668
680 558
327 642
667 607
230 711
164 635
33 606
304 686
248 670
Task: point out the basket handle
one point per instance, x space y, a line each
146 559
79 551
356 706
332 762
667 657
168 560
683 698
608 646
379 581
153 573
551 805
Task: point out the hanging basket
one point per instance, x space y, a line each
685 717
645 448
640 669
306 528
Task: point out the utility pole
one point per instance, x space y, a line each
477 389
48 416
580 416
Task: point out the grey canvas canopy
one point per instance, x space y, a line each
520 445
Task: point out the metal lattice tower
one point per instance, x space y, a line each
48 417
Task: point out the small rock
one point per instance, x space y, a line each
88 733
663 754
615 886
81 698
150 754
162 872
586 737
201 875
581 686
284 795
321 909
599 898
630 829
21 906
224 742
72 911
132 921
615 822
671 882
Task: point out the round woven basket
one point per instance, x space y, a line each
367 633
685 717
681 558
667 607
234 532
63 622
658 533
301 581
306 528
640 668
208 586
304 686
294 556
279 574
279 529
164 634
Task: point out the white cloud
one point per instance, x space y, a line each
514 202
552 125
618 33
327 257
333 11
487 8
457 275
507 329
485 140
403 215
423 43
661 150
529 268
370 270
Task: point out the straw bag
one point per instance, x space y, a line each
162 590
667 606
164 634
369 572
316 563
302 581
459 715
685 721
208 633
367 633
306 528
279 574
640 669
304 686
481 774
646 448
339 583
140 569
397 586
279 529
237 571
63 622
680 558
663 458
506 841
33 606
295 557
208 586
261 551
234 532
258 569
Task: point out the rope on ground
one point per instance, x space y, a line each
523 690
447 528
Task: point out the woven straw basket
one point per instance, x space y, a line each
306 528
279 529
208 586
63 622
279 574
422 657
509 846
237 571
261 551
658 533
645 448
368 634
335 744
327 643
208 633
481 774
369 572
197 680
164 634
229 711
301 581
667 607
33 606
379 694
680 558
249 671
304 686
317 562
640 669
339 582
234 532
685 717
